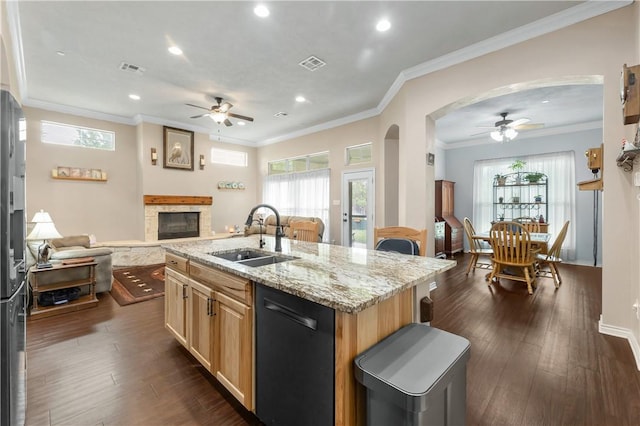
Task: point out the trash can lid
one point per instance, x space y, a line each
412 359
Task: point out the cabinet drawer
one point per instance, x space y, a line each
232 285
177 263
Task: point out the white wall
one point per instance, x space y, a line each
460 163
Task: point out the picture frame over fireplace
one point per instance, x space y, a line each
177 148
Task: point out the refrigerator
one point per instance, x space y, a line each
12 262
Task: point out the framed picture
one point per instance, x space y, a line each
75 172
96 174
178 148
64 172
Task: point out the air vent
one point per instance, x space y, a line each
280 114
124 66
312 63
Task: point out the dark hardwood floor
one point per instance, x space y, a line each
538 359
534 360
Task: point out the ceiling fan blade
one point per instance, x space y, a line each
481 133
518 122
198 106
200 115
529 126
227 122
240 117
225 107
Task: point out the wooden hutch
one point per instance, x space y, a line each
453 230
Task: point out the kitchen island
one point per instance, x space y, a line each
372 294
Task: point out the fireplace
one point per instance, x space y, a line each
197 208
178 225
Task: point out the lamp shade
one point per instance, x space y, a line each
218 117
44 231
41 217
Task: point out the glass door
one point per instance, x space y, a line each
357 208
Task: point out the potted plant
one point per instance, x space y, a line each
501 217
500 179
534 177
517 167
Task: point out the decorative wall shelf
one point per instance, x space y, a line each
79 178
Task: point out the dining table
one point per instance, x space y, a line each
539 240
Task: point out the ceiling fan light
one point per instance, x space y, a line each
218 117
497 136
510 133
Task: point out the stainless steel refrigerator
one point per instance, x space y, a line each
12 258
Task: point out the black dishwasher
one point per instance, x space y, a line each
294 360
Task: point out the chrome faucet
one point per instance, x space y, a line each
278 227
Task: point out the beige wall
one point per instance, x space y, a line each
114 210
109 210
335 141
597 47
230 207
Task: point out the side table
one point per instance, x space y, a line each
83 302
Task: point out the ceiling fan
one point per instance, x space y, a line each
506 130
220 113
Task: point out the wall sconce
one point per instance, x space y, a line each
201 162
154 156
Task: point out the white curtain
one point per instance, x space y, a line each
560 170
300 194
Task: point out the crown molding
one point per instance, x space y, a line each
323 126
584 11
13 18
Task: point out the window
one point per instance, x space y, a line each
300 194
560 170
84 137
358 154
229 157
299 164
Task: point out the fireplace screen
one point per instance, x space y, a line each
178 225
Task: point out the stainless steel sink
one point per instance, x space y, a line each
252 257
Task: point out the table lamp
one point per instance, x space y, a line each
44 230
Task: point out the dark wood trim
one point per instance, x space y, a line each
177 199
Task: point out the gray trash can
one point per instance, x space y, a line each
416 376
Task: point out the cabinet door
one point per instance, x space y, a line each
233 359
175 298
200 323
447 198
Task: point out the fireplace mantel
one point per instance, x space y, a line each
177 199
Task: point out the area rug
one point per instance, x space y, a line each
137 284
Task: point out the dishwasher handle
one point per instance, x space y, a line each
291 314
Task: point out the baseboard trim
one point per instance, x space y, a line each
625 333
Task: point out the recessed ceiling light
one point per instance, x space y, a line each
175 50
383 25
300 99
261 11
60 53
546 101
241 123
134 97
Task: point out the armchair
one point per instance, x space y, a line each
77 247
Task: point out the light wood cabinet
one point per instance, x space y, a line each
211 313
233 358
175 304
201 323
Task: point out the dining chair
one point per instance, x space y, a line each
529 223
401 232
304 230
552 258
511 245
476 248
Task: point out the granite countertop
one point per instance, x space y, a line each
342 278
